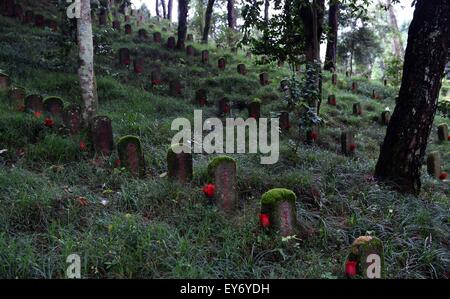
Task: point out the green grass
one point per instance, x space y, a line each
152 228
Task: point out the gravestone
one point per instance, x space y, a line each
334 79
5 81
241 69
102 135
385 118
16 96
224 106
385 82
29 17
190 37
124 56
138 65
18 12
156 77
102 19
131 156
332 100
248 55
264 79
142 34
357 109
53 25
53 106
116 25
72 118
254 109
34 103
285 123
128 29
348 144
347 74
171 43
7 7
205 56
157 37
127 19
201 97
312 134
434 164
190 50
443 132
221 63
354 87
222 171
179 165
280 206
175 87
367 257
39 21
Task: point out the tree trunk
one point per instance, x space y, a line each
158 14
86 61
266 10
396 39
208 16
163 4
330 56
183 7
169 10
407 135
231 14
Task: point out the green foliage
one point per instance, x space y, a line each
394 70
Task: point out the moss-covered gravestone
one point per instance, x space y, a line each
264 78
443 132
366 259
16 95
254 109
5 81
131 156
434 164
241 69
39 21
357 109
156 77
332 100
138 65
280 205
29 17
157 37
205 56
224 106
312 134
102 135
201 97
34 103
348 145
53 106
72 118
142 34
190 37
124 56
285 123
334 79
385 118
116 25
190 51
175 88
179 163
128 29
354 87
222 171
171 43
221 63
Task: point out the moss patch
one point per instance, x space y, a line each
277 194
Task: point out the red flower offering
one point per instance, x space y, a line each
156 82
448 137
443 176
209 190
82 146
352 147
48 122
117 163
37 114
226 108
313 136
350 268
264 220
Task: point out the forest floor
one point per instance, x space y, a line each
56 199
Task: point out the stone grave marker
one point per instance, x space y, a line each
434 164
157 37
16 96
53 106
366 258
142 34
179 163
29 17
264 79
443 133
72 118
131 155
222 171
385 118
334 79
39 21
190 51
354 87
5 81
102 135
156 77
357 109
138 65
241 69
7 7
221 63
116 25
285 123
34 103
124 56
312 134
190 37
205 56
254 109
332 100
102 19
171 43
224 106
175 87
201 97
348 145
128 29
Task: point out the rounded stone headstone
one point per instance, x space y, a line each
348 145
201 97
157 37
18 12
156 77
16 96
222 171
241 69
190 51
224 106
190 37
221 63
171 43
127 19
124 56
434 164
39 21
5 81
7 7
280 205
332 100
102 19
368 255
142 34
29 17
354 87
385 118
131 156
357 109
264 78
53 106
102 135
138 65
179 163
34 103
72 118
334 79
205 56
442 132
312 134
128 29
116 25
285 123
254 109
175 87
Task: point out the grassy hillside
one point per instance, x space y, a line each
57 199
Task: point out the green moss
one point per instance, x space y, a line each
216 161
256 100
274 195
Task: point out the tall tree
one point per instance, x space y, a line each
330 56
231 14
266 10
397 43
208 16
183 7
169 10
407 135
86 61
163 5
158 14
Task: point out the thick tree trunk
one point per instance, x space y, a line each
158 14
208 16
396 39
169 9
407 135
163 4
86 61
183 7
266 10
231 14
330 56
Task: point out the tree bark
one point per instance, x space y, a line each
208 16
169 9
266 10
158 14
183 7
231 14
163 4
404 146
86 61
396 39
330 56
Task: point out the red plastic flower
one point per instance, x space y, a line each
313 136
21 108
48 122
82 145
37 114
117 163
226 108
448 137
350 268
209 190
352 147
443 176
156 82
264 220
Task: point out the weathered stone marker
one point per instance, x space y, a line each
131 156
357 109
116 25
285 123
366 258
156 77
264 79
34 103
102 18
190 51
241 69
39 21
102 135
254 109
334 79
7 8
127 18
171 43
29 17
332 100
224 106
175 87
385 118
201 97
128 29
124 56
385 82
443 132
16 95
280 205
312 134
142 34
5 81
179 163
138 65
348 144
190 37
73 119
18 12
53 106
205 56
354 87
222 171
221 63
157 37
434 164
53 25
